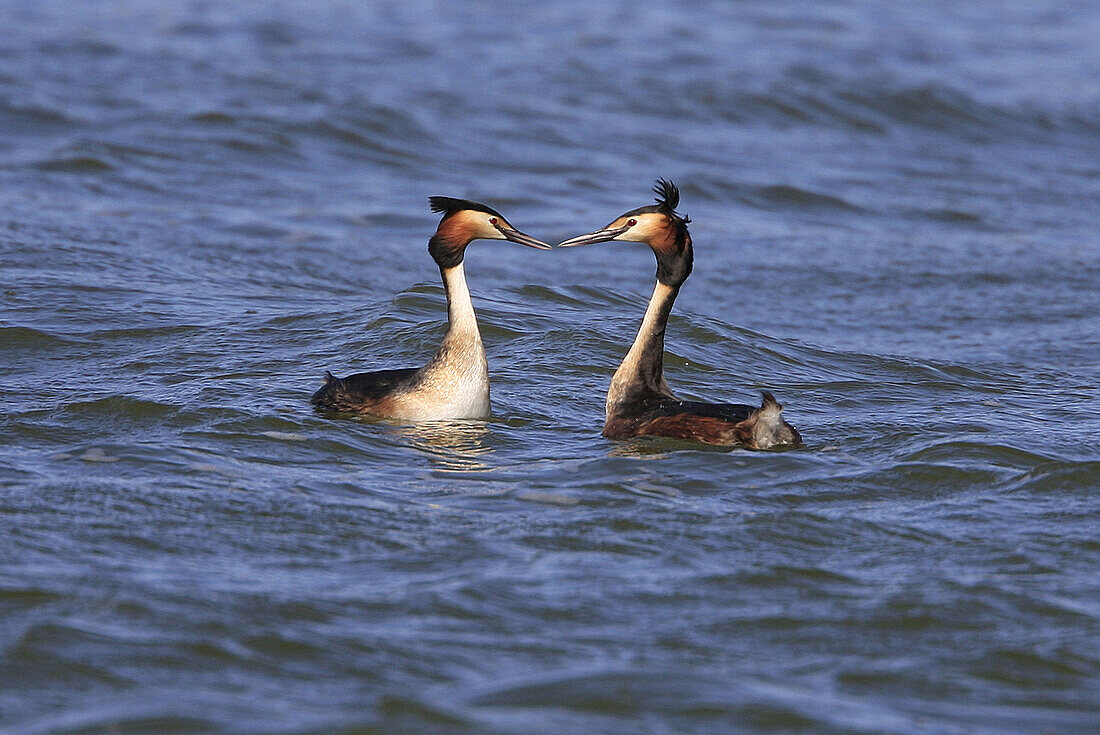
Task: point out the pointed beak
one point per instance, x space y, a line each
522 238
592 238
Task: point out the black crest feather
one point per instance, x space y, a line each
668 198
450 205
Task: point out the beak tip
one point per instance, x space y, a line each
591 238
575 242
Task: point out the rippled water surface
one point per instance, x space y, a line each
203 206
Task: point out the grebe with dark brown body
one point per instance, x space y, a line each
639 402
455 382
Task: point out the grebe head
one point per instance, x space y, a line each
465 221
659 226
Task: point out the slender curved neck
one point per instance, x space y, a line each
460 309
641 373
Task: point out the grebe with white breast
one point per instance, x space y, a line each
455 383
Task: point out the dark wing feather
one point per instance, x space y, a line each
732 412
710 423
362 389
662 406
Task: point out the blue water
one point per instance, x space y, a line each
203 206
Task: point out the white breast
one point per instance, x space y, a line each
453 388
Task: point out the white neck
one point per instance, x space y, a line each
641 372
462 322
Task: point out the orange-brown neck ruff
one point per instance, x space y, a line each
674 255
448 245
456 231
640 376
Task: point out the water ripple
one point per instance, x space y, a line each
205 206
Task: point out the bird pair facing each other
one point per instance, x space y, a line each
455 382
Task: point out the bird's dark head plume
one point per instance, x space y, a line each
449 205
668 198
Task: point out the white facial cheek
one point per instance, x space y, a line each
641 232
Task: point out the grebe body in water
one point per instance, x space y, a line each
639 402
455 382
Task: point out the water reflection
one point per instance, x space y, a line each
455 445
658 447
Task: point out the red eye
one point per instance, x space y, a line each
492 220
631 222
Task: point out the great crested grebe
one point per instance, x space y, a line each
455 383
639 402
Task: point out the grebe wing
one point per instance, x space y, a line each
378 383
733 412
710 423
729 411
362 387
